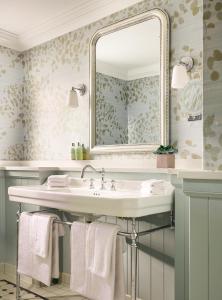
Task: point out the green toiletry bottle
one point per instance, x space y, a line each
79 152
73 152
84 152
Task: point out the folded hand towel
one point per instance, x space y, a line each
24 245
78 259
58 177
40 268
101 247
83 280
58 180
153 191
154 187
41 224
44 269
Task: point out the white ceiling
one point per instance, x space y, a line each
27 23
135 49
18 15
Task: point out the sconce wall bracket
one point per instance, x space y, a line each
81 89
188 62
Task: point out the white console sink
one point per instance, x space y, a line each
126 201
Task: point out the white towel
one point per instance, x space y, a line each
101 247
58 180
152 191
58 231
154 187
83 280
24 245
78 259
30 264
41 224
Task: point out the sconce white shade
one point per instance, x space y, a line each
180 77
73 98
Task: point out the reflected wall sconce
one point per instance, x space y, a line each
73 95
180 76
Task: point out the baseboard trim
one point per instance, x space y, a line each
129 297
10 270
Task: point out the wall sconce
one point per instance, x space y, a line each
180 75
73 95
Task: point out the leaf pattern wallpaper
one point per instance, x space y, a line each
38 125
144 110
127 111
111 110
11 105
212 85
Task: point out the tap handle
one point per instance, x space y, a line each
113 187
103 172
91 183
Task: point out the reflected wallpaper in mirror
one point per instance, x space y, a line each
128 85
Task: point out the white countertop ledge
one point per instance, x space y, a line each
110 165
185 169
200 175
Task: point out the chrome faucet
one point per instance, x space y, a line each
87 167
102 172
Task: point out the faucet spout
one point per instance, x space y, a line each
87 167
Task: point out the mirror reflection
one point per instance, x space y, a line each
128 85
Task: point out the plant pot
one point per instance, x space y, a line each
165 161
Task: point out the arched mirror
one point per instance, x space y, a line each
129 84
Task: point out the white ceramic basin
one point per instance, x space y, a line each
127 201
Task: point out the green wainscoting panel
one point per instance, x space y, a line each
198 244
180 200
203 187
2 216
205 242
215 249
10 226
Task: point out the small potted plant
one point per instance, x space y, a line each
165 156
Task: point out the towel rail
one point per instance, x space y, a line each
133 235
123 233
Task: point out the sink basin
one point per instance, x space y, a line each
126 201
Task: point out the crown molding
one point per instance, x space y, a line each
124 74
9 40
78 16
147 71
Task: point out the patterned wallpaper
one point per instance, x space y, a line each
11 105
213 84
111 110
143 110
127 111
52 68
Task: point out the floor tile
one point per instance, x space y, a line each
56 292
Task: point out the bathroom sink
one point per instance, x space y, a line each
126 201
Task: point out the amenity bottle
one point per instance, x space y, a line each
73 152
79 152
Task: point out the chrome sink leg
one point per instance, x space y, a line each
18 297
133 261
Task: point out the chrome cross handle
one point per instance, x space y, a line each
113 187
91 184
103 179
